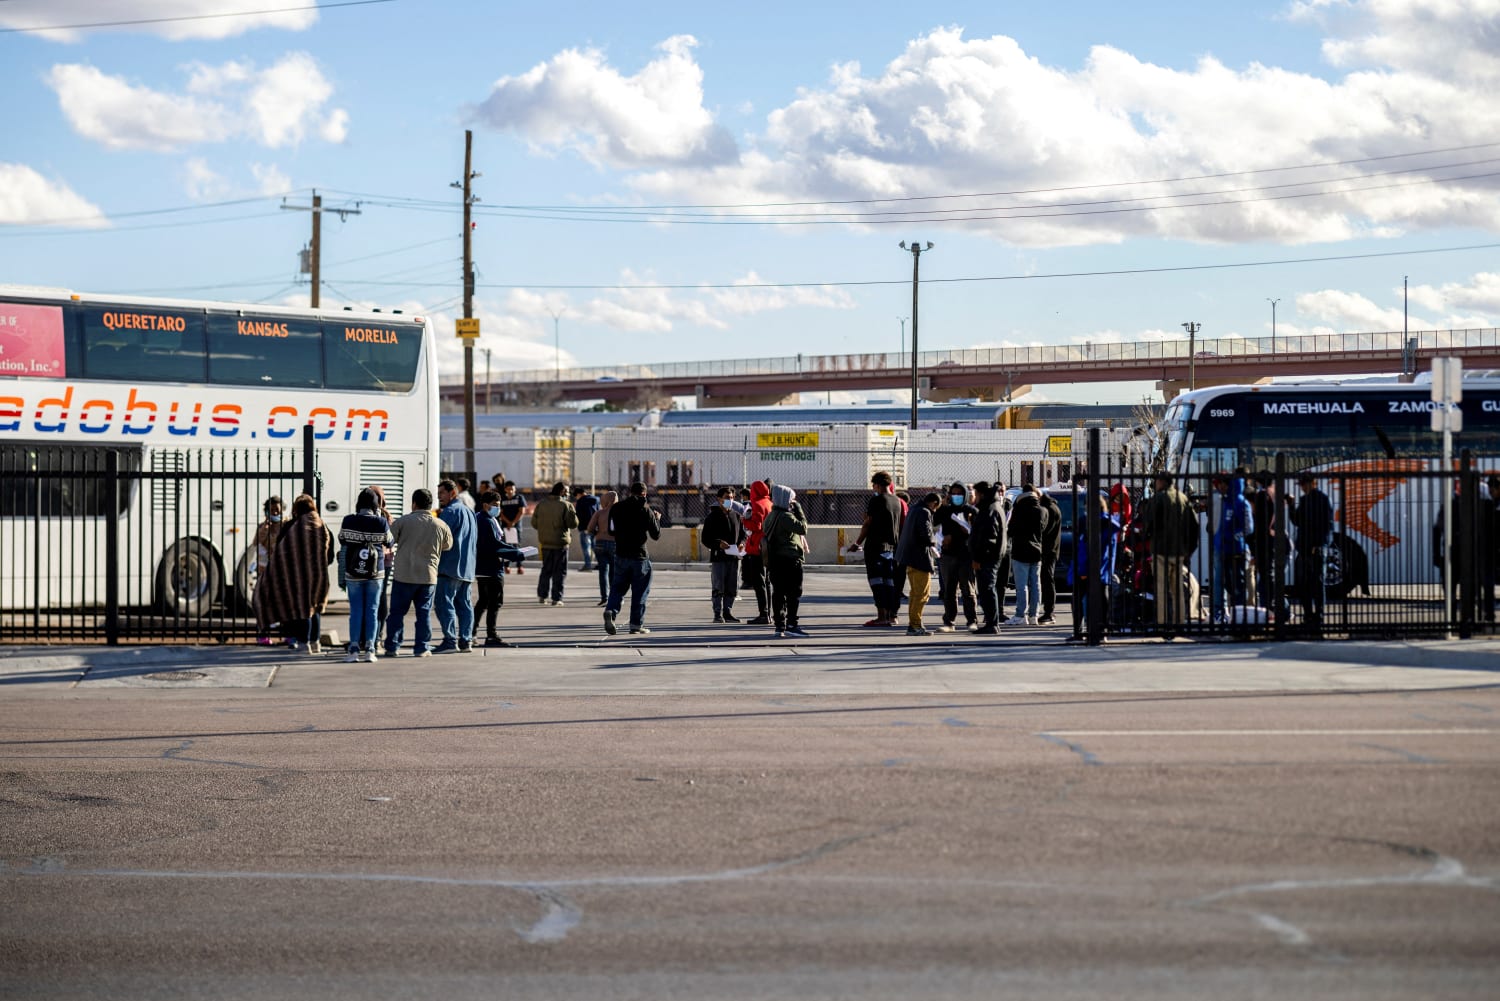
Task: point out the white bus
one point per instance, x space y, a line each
158 380
1369 437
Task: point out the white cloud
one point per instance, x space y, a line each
951 114
1345 311
275 107
576 101
195 18
204 184
28 198
269 179
1481 292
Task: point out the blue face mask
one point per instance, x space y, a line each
956 498
274 517
492 510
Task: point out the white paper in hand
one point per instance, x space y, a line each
734 551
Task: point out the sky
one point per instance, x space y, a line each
682 181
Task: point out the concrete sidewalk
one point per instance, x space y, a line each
565 651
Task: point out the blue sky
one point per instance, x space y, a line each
601 106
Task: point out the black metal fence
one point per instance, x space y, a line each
114 544
1266 564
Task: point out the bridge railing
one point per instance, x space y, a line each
1088 353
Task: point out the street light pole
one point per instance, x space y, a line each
1192 329
1273 303
903 320
557 344
916 262
488 386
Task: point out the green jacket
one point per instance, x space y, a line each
784 531
554 519
1171 523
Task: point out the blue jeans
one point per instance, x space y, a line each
404 596
636 575
364 599
586 543
604 558
455 596
1028 587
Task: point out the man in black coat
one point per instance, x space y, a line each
1313 520
632 522
1051 551
723 534
955 517
987 546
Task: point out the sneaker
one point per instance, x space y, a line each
293 645
370 656
1031 620
1046 620
446 646
798 632
876 623
609 622
946 627
986 631
495 641
759 620
465 647
354 657
557 603
731 618
315 649
391 651
1015 620
718 618
639 629
602 602
917 631
424 653
264 641
780 634
542 600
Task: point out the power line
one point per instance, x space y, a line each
981 194
196 17
987 278
105 230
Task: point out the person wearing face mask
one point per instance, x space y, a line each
491 555
955 518
265 544
723 534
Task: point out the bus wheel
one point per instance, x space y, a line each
1354 569
242 585
188 579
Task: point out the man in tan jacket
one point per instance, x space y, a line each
554 520
421 540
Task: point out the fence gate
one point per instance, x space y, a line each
1377 570
114 544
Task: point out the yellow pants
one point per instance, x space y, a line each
920 584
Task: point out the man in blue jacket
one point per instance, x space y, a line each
455 603
1232 539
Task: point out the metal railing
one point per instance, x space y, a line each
1394 342
112 544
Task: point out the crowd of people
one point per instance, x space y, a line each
453 559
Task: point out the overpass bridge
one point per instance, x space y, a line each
1000 373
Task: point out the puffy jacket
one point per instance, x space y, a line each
1236 522
988 542
755 518
1028 522
784 529
554 519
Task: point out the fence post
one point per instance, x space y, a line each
1466 528
112 548
1094 609
1280 543
309 472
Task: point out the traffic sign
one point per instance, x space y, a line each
467 327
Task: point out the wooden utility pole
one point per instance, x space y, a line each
312 264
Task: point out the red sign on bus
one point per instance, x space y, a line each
31 341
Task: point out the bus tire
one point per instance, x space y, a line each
242 585
1356 569
188 580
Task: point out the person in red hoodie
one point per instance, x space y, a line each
753 566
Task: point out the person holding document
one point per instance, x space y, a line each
723 537
955 521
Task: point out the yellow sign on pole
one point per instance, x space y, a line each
467 327
1059 444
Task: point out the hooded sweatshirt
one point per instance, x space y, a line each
784 528
755 519
1236 523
